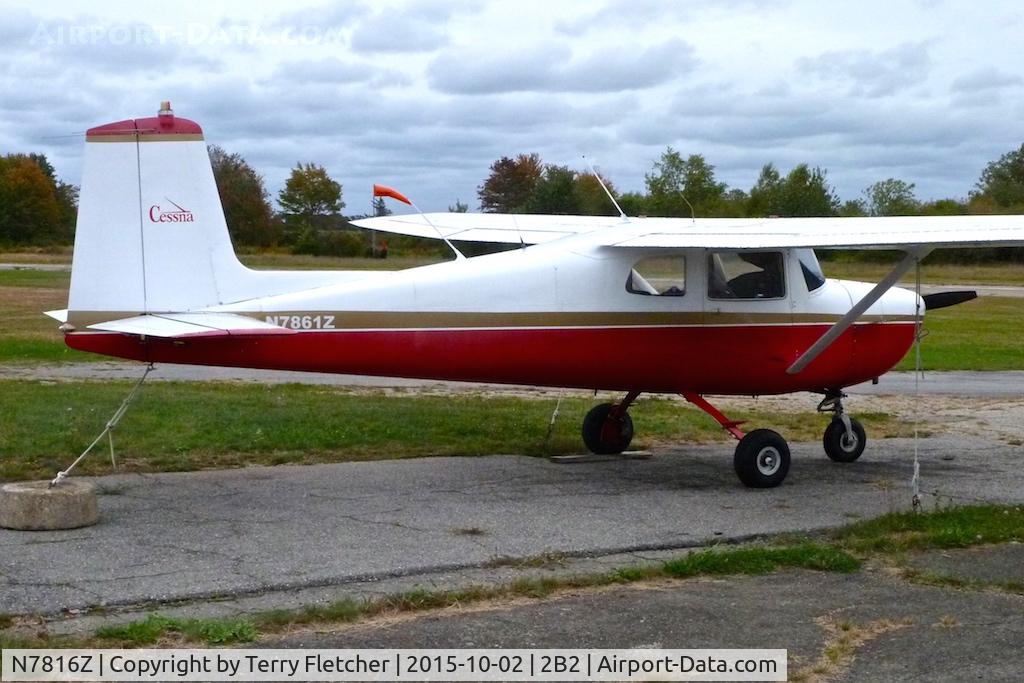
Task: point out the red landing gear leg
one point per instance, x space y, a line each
731 426
761 459
608 428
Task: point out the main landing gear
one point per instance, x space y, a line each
608 428
844 438
761 459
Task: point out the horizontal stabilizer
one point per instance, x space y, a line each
191 325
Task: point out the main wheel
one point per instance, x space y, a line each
843 447
603 436
761 459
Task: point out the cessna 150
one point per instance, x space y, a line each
693 307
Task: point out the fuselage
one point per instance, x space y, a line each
567 314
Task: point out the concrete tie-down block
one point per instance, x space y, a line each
34 506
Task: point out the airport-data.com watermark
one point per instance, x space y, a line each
194 34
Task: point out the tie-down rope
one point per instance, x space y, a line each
108 431
919 334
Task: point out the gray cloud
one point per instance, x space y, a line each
774 83
988 78
871 73
384 33
551 68
631 14
333 14
327 70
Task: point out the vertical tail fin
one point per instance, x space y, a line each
151 235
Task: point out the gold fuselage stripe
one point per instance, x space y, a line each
355 320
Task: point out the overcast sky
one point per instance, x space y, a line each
425 95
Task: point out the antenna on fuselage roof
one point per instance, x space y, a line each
593 171
693 214
384 191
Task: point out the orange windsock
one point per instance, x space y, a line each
384 191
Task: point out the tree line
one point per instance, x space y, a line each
687 186
39 209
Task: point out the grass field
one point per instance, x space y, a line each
978 335
188 426
938 274
26 335
984 334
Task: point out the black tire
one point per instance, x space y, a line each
761 459
841 448
594 432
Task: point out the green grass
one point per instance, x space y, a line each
35 278
984 334
154 627
943 580
806 555
958 527
187 426
22 350
939 273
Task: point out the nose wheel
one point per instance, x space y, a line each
842 443
844 438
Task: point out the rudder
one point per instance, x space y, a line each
151 235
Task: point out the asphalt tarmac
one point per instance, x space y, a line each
272 531
868 626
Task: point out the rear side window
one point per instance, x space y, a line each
658 276
746 275
811 269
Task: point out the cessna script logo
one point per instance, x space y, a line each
178 214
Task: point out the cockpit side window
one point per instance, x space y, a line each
746 275
811 269
658 276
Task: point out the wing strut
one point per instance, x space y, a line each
913 256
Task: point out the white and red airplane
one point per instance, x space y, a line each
694 307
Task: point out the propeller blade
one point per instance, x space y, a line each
946 299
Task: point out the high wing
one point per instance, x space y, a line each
824 233
715 233
488 227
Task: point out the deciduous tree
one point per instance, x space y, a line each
244 197
674 181
591 199
1002 181
806 192
891 197
554 192
29 209
310 195
510 184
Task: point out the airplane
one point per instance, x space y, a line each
693 307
